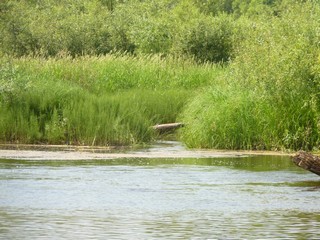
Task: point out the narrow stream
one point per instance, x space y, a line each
251 197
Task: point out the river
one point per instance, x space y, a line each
223 197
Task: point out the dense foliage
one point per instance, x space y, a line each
270 95
104 100
50 28
240 74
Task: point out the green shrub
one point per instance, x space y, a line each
75 27
211 39
98 27
215 7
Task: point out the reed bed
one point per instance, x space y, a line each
106 100
240 76
269 99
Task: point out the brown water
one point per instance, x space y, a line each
238 197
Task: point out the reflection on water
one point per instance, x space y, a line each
229 198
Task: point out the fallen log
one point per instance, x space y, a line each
308 162
162 128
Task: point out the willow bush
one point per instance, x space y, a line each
211 39
99 27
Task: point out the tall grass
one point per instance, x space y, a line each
265 96
270 96
106 100
117 71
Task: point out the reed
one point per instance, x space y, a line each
262 92
269 98
106 100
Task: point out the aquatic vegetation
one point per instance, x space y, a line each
106 100
270 95
240 75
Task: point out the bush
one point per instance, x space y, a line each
99 27
211 39
75 27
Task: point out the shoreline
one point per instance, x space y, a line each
162 149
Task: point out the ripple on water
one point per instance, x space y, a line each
169 199
186 224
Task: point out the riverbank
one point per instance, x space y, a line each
101 101
264 96
161 149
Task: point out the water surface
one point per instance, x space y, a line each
255 197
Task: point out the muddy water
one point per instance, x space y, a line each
222 197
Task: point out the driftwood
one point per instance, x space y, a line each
162 128
308 162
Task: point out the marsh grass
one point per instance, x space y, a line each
106 100
243 119
263 95
270 96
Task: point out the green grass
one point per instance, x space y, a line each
116 72
269 97
107 100
265 94
243 119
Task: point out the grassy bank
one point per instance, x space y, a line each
240 75
107 100
270 96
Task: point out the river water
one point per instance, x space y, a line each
239 197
